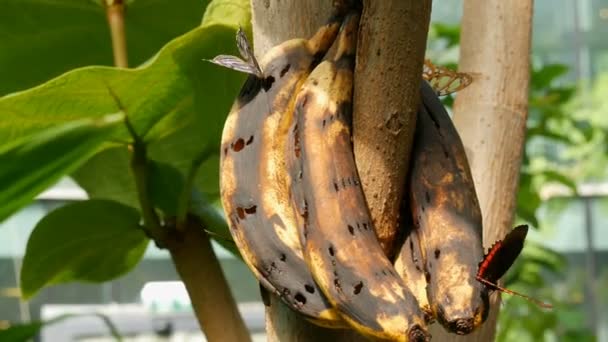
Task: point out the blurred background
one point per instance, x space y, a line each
563 195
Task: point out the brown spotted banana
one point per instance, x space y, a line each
340 245
447 219
254 189
410 264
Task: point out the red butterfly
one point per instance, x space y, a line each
500 257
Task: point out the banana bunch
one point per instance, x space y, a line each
297 212
444 245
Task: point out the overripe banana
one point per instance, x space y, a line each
410 264
447 218
340 245
253 184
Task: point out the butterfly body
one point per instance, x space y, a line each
500 258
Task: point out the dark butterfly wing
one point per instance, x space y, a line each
502 255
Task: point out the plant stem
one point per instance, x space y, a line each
199 269
139 166
115 10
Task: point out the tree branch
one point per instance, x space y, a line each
390 54
490 116
199 269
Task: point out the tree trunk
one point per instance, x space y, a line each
389 63
490 116
392 41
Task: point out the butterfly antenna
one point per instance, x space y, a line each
511 292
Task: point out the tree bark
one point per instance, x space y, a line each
390 54
490 116
386 98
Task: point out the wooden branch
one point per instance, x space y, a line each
390 54
491 116
199 269
389 64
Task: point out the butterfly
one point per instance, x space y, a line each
499 259
249 64
443 80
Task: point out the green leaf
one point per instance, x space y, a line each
165 187
42 39
555 176
543 77
92 241
528 200
177 101
31 164
107 175
21 332
451 33
176 81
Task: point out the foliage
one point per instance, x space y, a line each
43 39
36 161
106 241
173 104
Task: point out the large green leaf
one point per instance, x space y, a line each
176 82
178 102
42 39
94 241
32 163
107 176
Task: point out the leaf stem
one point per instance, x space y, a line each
139 166
115 10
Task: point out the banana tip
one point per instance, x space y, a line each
462 326
418 334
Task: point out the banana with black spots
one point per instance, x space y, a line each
253 185
340 245
410 264
447 217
